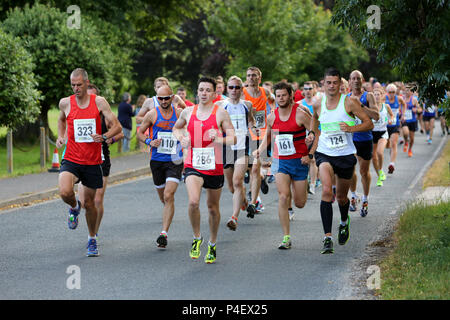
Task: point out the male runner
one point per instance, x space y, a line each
397 105
363 142
335 151
106 167
80 116
236 156
262 102
206 123
286 127
166 156
429 115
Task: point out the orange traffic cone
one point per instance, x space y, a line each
55 162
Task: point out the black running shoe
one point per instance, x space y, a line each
327 246
251 210
162 241
264 186
344 232
247 177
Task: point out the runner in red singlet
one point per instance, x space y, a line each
204 140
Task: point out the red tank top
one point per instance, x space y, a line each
260 105
204 155
81 123
288 138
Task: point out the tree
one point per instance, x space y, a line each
18 94
57 49
412 37
286 39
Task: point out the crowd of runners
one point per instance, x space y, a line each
249 136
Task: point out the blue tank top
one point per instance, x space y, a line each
395 107
170 148
429 111
365 135
410 116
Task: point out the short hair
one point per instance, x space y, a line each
162 79
207 79
255 69
391 86
235 78
181 89
93 86
283 85
79 72
126 96
309 83
332 72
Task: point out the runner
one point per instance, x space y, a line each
397 105
166 156
410 124
153 102
220 88
262 101
309 92
106 166
379 132
181 92
79 126
288 124
236 156
429 114
441 116
335 151
205 124
363 142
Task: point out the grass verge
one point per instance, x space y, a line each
439 173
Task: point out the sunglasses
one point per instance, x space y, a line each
165 98
234 87
307 89
391 92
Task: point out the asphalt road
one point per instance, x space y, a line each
39 253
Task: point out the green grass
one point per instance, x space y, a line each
26 158
419 266
439 174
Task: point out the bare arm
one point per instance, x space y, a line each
267 137
64 105
227 127
178 128
146 107
110 117
179 102
148 121
314 126
353 106
372 110
403 107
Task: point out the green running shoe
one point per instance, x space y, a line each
379 182
344 232
286 244
211 255
382 175
195 250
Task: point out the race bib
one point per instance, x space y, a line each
408 114
336 140
260 119
168 143
203 158
240 129
83 128
285 144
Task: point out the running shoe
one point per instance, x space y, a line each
161 242
246 177
264 186
379 182
318 183
291 214
259 207
312 188
405 147
211 255
327 246
391 169
344 232
410 153
72 221
271 178
353 203
364 209
92 250
286 244
251 210
429 141
382 175
195 250
232 224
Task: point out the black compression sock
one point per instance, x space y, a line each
326 212
344 211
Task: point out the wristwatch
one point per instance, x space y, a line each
310 155
104 137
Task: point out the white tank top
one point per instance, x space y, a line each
381 123
239 117
332 140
